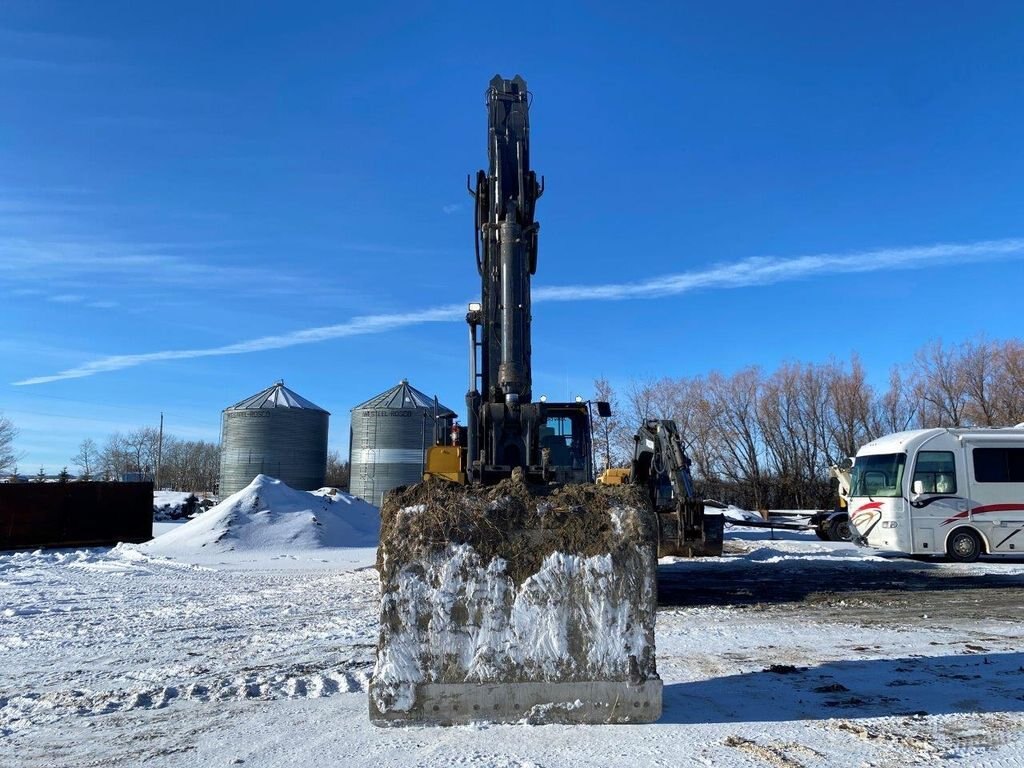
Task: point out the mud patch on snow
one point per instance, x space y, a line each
778 755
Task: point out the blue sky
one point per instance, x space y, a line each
745 183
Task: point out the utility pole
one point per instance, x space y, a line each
159 452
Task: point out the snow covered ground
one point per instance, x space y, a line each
176 654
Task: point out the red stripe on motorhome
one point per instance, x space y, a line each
982 510
869 505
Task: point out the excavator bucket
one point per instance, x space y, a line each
516 603
680 536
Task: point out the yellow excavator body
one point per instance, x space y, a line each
614 476
447 462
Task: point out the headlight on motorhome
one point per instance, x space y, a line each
890 523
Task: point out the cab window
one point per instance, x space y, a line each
936 471
559 435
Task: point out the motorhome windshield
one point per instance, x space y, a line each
879 475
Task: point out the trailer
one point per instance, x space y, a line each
952 492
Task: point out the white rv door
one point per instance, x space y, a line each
938 498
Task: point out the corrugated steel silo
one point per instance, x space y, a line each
389 437
275 432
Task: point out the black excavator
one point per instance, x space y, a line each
660 465
507 431
513 587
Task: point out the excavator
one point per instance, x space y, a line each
513 587
661 466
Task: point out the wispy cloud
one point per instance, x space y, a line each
76 298
451 208
748 272
358 326
51 239
62 258
768 270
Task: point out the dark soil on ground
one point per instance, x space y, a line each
869 592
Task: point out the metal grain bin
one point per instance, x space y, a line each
389 437
275 432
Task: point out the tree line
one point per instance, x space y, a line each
764 439
186 465
183 464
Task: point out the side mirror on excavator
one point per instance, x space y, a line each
604 409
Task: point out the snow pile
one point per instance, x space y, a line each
731 512
269 516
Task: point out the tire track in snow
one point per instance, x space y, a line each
94 632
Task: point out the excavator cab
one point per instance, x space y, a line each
563 444
551 441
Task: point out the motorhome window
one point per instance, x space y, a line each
998 465
936 471
879 475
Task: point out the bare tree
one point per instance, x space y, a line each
606 428
189 465
895 411
940 386
638 407
734 403
141 448
114 460
8 456
852 420
86 458
978 364
337 474
698 428
1008 384
794 416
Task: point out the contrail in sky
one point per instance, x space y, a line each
744 273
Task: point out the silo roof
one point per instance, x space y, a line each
275 396
403 395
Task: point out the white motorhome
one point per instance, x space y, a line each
953 492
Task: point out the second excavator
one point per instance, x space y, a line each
660 466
